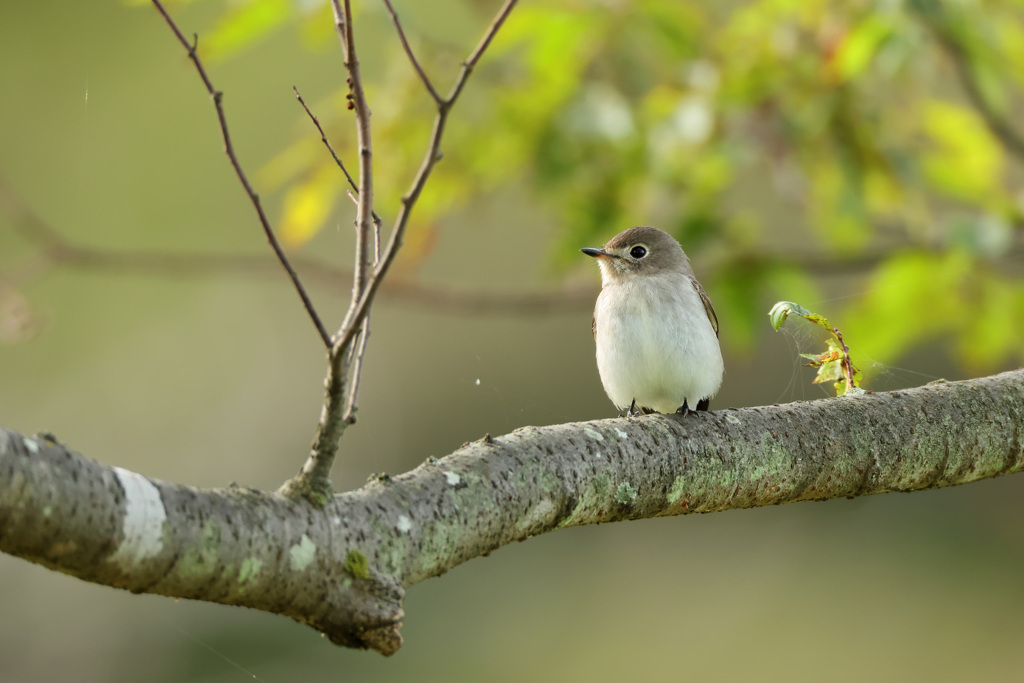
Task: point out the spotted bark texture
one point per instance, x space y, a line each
343 568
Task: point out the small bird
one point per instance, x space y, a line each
655 328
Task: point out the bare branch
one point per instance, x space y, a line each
349 416
344 569
217 97
477 53
364 143
350 324
412 57
313 481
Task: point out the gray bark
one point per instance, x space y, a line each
343 568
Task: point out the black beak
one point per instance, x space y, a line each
596 253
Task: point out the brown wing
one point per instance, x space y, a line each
707 304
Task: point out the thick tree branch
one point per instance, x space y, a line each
343 568
217 97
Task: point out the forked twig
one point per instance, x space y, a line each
350 324
217 96
313 481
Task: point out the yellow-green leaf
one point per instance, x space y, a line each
307 206
244 24
860 46
965 160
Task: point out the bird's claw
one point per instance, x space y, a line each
685 410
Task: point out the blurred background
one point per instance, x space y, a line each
861 158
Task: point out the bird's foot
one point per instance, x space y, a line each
631 411
635 411
685 409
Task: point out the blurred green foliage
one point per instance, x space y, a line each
778 136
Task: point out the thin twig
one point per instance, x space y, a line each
217 97
357 98
474 57
323 137
357 369
412 57
847 363
330 148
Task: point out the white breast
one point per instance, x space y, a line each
656 345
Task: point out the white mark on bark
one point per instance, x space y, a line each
621 434
144 517
732 418
453 478
404 524
302 553
31 445
593 434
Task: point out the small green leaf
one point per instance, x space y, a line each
781 311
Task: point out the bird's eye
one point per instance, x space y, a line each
638 252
